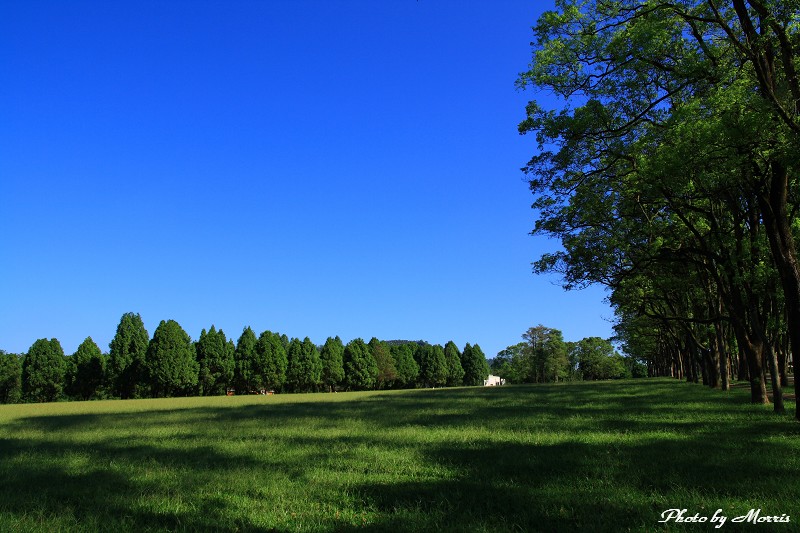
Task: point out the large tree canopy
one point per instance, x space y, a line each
171 362
43 371
475 365
673 162
246 372
304 371
360 368
10 377
272 361
88 370
332 356
215 357
125 369
455 372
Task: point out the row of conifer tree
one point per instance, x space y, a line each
172 364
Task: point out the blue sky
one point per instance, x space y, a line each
315 168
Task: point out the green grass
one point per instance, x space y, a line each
589 456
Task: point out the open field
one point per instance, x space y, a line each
605 456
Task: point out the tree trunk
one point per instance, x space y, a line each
753 351
784 254
777 393
723 357
780 351
743 372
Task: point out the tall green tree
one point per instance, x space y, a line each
360 368
548 352
597 359
43 371
405 365
10 377
216 363
387 373
125 368
171 362
684 116
245 375
272 361
332 356
476 368
89 371
432 366
455 372
511 364
304 371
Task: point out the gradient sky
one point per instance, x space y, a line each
316 168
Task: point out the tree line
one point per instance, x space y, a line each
544 357
172 364
670 175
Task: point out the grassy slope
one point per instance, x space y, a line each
592 456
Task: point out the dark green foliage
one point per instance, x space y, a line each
573 358
597 359
547 353
171 363
360 368
405 365
271 361
476 368
10 377
507 363
636 368
215 358
432 366
332 356
245 378
305 367
125 368
387 372
669 172
455 372
43 371
414 344
88 371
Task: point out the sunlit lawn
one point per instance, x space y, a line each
586 456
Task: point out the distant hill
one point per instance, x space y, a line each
399 342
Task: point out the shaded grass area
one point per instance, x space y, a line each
605 456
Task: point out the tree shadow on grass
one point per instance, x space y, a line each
620 469
585 487
95 486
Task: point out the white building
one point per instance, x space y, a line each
493 381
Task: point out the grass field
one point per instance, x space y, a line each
608 456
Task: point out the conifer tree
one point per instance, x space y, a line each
10 377
89 365
215 357
407 368
272 360
360 369
432 366
332 356
43 371
305 367
171 362
125 368
244 357
387 373
476 368
455 372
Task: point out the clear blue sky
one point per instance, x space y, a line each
315 168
